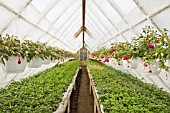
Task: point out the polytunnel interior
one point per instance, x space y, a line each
110 25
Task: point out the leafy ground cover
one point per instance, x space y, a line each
122 93
40 93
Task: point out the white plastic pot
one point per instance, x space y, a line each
151 69
22 66
47 61
167 63
119 62
12 66
131 63
35 63
53 61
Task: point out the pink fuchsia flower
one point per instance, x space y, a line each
147 38
99 60
157 41
111 51
126 57
106 60
150 46
150 71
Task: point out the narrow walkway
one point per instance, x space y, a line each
81 99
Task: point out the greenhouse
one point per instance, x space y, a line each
84 56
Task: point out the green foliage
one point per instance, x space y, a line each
40 93
9 46
122 93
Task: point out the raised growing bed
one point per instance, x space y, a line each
122 93
40 93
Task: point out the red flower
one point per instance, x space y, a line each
126 57
39 52
157 41
106 60
11 44
19 60
55 58
111 51
1 41
150 46
147 38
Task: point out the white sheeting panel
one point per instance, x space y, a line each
44 24
16 5
151 6
42 6
129 35
52 31
162 19
31 14
138 28
34 35
7 18
134 16
19 28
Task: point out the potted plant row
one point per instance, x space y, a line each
15 55
149 52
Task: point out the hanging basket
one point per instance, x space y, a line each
53 61
130 63
35 63
46 61
13 66
151 69
120 63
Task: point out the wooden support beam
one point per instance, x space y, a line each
83 18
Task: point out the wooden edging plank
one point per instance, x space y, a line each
99 108
66 98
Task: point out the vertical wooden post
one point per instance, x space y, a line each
83 18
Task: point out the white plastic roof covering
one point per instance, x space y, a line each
56 21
